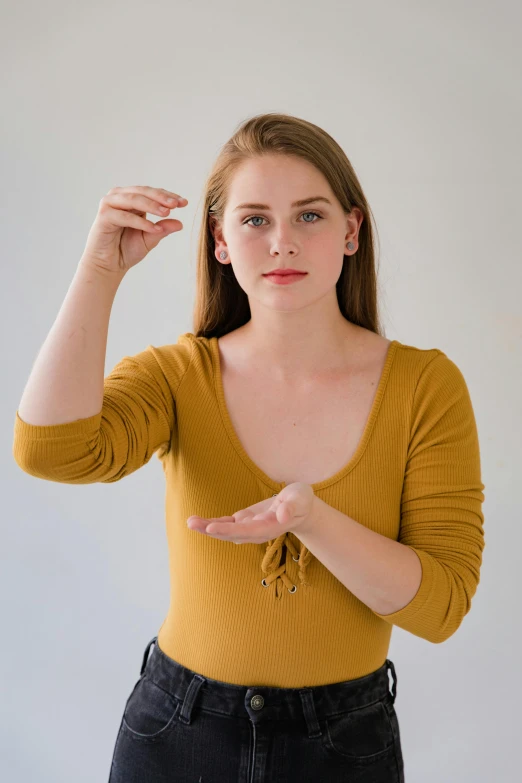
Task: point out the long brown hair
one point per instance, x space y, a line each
221 305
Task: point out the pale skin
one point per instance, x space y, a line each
296 330
299 332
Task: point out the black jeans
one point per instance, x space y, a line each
180 726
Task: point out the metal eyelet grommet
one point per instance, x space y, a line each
293 590
296 558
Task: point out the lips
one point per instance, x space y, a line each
285 272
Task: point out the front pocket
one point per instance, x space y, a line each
150 712
364 735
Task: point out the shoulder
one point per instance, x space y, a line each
372 348
429 364
438 391
428 374
170 361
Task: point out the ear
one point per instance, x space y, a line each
355 218
353 224
215 229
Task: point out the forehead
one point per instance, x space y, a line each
276 180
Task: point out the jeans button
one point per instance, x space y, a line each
257 702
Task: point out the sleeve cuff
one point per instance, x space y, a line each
404 617
31 432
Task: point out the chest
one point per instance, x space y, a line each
304 434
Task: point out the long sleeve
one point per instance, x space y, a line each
441 503
138 418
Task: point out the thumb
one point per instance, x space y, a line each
285 511
168 227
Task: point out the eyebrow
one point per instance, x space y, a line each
301 203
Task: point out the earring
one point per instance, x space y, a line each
350 246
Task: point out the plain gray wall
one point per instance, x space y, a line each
425 100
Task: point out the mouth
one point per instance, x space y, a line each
284 279
284 274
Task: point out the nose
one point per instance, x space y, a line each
283 244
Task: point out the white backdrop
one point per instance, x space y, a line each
425 99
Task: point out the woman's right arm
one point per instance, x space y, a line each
66 381
72 424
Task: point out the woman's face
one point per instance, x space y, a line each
273 233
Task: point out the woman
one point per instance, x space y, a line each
323 482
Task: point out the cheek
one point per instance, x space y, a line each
249 240
325 239
326 253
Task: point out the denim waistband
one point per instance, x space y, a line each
261 703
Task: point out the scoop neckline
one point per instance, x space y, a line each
361 447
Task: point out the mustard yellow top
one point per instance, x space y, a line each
415 477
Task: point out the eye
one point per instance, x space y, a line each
246 222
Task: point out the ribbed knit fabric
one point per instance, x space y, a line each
415 477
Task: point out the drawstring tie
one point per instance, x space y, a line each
276 572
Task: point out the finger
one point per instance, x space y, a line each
245 530
125 218
139 203
160 195
230 529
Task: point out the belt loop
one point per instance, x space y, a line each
389 665
146 653
185 713
307 700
